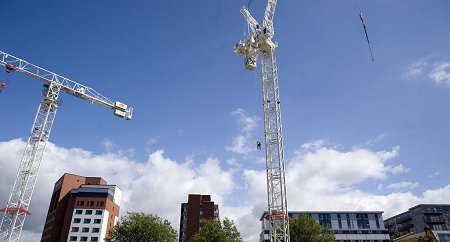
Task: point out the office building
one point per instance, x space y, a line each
194 212
81 209
348 226
433 216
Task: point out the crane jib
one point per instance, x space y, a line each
20 197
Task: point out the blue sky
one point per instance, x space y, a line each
373 130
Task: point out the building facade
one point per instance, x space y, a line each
433 216
194 212
348 226
81 209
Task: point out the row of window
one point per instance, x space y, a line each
85 230
88 211
91 203
87 221
360 231
82 238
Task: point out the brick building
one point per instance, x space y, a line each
194 212
81 209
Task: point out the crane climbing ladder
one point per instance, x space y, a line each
260 42
19 200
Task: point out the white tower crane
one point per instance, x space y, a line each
20 197
260 41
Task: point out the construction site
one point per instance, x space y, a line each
196 91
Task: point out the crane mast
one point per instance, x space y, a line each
19 200
260 42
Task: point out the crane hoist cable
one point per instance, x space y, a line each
365 31
363 22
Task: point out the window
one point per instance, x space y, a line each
83 238
91 203
363 224
75 229
97 221
98 212
76 220
102 204
325 220
78 211
95 230
73 238
94 238
85 230
81 203
88 211
87 220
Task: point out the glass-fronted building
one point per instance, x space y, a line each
348 226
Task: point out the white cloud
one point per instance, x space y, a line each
318 177
110 147
398 169
416 69
372 142
149 144
327 179
441 73
240 145
333 170
151 141
157 186
437 71
435 174
248 123
402 185
244 143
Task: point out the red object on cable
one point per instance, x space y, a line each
20 210
10 67
2 85
361 17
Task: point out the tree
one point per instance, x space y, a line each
140 227
215 231
305 229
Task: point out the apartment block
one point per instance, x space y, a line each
194 212
433 216
81 209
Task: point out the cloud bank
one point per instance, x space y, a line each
437 71
319 177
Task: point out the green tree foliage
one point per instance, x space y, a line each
140 227
216 231
305 229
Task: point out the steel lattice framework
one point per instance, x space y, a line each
19 200
260 41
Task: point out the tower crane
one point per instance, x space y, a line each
260 41
19 200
